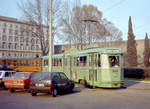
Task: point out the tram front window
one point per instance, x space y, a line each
114 61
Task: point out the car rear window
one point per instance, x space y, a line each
40 76
21 75
45 76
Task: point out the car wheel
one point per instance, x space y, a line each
11 90
54 92
71 87
33 93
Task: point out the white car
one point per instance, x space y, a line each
3 75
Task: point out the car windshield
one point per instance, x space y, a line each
21 75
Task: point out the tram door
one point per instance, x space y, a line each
93 63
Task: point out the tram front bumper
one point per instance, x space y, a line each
112 84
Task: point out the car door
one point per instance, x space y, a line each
56 80
64 81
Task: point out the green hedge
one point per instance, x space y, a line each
134 73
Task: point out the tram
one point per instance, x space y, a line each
98 67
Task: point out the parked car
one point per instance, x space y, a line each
20 80
50 82
3 75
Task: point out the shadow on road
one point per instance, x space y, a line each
129 83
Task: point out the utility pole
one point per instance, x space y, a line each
50 38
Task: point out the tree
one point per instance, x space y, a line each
146 51
36 13
131 46
85 25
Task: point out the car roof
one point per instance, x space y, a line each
6 71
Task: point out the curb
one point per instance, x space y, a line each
148 82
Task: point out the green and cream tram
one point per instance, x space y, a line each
98 67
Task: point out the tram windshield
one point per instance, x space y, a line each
114 61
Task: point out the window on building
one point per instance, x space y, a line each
5 25
21 55
9 54
37 41
27 40
37 47
10 31
11 25
4 30
21 39
4 37
9 45
10 38
32 47
27 33
16 32
21 46
16 26
15 55
4 45
16 46
21 33
27 47
16 39
32 41
3 54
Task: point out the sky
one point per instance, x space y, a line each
116 11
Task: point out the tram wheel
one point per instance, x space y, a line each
83 82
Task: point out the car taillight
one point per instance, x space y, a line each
30 84
49 84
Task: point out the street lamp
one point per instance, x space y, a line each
50 38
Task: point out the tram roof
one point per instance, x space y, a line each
102 50
85 52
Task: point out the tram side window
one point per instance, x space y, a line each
83 61
76 61
57 62
114 61
45 62
99 60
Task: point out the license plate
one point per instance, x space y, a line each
40 85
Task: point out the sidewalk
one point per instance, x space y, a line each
135 84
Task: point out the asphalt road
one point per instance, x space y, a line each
135 96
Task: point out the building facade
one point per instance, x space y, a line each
15 41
